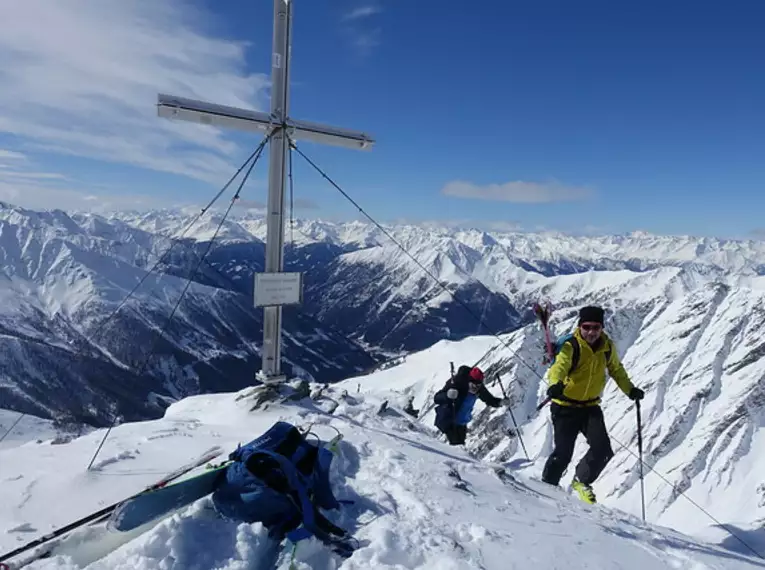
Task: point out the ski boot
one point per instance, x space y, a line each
585 492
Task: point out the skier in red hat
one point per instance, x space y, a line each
455 401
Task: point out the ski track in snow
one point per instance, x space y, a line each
98 466
417 503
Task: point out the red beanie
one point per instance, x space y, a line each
476 374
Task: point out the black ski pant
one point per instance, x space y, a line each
456 434
568 423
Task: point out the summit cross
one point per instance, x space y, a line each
273 288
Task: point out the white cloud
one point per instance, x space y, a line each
81 78
362 12
25 183
11 155
364 40
41 195
518 191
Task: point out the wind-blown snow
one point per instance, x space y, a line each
408 512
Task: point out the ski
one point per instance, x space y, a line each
100 515
208 455
543 314
160 502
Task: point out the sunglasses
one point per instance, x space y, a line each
591 327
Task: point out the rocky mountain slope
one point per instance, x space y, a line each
699 357
383 298
66 351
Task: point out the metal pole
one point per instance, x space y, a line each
512 417
640 456
518 432
278 149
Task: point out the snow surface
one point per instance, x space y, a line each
407 511
16 429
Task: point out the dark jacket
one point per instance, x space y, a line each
447 411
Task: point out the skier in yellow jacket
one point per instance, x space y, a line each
575 405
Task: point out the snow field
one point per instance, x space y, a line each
408 510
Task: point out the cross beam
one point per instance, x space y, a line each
171 107
281 127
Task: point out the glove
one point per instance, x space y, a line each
452 393
556 390
636 394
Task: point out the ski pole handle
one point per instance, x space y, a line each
544 403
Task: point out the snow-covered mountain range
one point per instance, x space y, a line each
383 298
66 352
66 273
687 315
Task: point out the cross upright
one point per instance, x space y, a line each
273 288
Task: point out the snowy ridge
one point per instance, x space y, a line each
417 503
387 301
699 359
65 274
542 250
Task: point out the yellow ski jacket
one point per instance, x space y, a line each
587 381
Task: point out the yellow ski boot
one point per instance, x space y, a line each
585 491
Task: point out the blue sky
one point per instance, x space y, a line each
577 116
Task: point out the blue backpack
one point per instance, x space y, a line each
569 338
281 480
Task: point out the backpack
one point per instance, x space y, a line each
569 338
280 480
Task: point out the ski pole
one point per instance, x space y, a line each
640 455
512 417
501 387
544 403
518 431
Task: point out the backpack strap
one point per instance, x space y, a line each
299 494
576 352
299 497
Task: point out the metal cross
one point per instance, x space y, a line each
273 288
